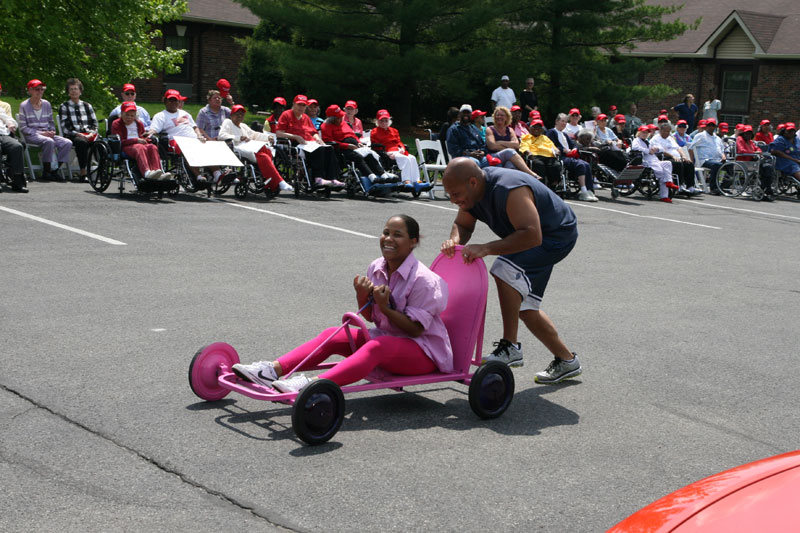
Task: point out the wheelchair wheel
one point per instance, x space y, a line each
647 184
491 389
240 191
731 179
783 184
254 181
97 169
205 369
318 412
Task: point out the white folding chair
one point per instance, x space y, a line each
701 173
430 170
73 156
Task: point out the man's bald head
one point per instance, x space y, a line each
464 182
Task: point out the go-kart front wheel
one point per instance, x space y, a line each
491 389
205 369
318 412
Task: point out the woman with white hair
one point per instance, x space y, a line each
662 169
388 137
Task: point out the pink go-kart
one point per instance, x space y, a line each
318 409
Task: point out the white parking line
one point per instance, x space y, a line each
643 216
744 210
436 206
351 232
62 226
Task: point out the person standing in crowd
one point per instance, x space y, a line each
38 129
536 230
210 118
78 123
129 95
712 105
687 110
224 88
632 121
527 98
503 95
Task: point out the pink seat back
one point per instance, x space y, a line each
464 317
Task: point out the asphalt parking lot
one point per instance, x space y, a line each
685 317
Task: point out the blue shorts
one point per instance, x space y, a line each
529 271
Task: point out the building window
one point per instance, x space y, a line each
180 43
736 90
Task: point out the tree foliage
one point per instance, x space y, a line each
104 44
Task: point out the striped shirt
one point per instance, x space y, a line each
77 118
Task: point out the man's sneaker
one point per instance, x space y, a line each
506 352
293 384
587 196
261 372
558 370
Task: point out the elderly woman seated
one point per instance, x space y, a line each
137 145
78 123
235 130
38 129
210 118
388 137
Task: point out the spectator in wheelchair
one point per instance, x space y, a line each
766 165
137 145
610 146
405 301
618 127
312 110
519 126
786 149
662 169
296 126
13 150
238 132
78 123
210 118
463 140
541 154
335 130
351 110
500 135
388 137
578 169
573 123
710 152
680 136
701 127
129 95
278 107
682 164
38 129
764 134
176 122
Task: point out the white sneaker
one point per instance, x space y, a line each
153 174
285 186
166 176
293 384
261 372
587 196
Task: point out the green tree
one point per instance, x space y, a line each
104 44
382 53
575 49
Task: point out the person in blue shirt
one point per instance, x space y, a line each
786 149
687 111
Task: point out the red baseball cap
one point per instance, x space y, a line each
662 112
790 126
224 86
516 108
643 128
747 128
534 113
382 113
613 107
574 111
127 106
682 122
334 111
781 126
350 103
619 119
723 126
181 97
301 99
663 118
35 83
478 113
172 93
652 127
311 101
537 122
237 108
279 100
701 123
128 87
710 121
601 116
765 121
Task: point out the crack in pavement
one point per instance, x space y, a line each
144 457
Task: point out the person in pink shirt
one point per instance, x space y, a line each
351 110
403 298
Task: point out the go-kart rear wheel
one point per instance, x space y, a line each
205 369
318 412
491 389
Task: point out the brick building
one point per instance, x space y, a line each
208 31
747 52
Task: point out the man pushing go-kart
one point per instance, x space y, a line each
537 230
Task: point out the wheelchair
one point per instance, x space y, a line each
107 162
743 178
173 162
390 165
292 167
560 183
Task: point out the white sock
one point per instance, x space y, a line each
583 188
217 174
372 178
283 185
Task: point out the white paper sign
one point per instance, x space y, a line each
207 154
249 149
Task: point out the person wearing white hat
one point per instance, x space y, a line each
503 95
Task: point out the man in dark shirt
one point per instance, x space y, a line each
537 230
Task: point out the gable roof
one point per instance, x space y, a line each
773 26
221 12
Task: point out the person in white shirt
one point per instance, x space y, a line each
711 106
682 164
708 151
662 169
237 131
503 95
573 123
